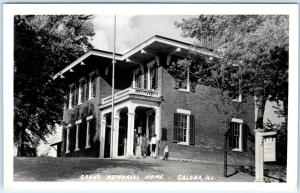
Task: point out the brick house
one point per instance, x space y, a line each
149 96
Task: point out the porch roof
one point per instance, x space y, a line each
142 52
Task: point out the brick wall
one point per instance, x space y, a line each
208 123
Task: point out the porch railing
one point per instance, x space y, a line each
130 91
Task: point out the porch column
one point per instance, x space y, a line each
102 136
87 139
116 135
130 131
147 126
157 123
68 139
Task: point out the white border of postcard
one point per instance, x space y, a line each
9 10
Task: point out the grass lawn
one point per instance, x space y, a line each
91 169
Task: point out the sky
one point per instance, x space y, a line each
133 30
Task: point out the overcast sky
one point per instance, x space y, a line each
133 30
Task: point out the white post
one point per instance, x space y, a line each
68 140
90 87
116 135
70 99
147 126
77 123
113 91
102 137
130 132
157 123
87 141
259 153
259 156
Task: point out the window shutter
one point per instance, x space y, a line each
155 78
82 92
176 130
230 137
87 91
245 138
76 96
192 129
93 86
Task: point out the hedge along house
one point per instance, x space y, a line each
148 96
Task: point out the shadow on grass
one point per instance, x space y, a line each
53 169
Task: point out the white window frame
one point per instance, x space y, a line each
188 114
149 81
73 85
240 122
134 74
90 84
88 125
188 85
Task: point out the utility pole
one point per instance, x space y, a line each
113 93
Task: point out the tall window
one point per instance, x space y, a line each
235 135
148 79
138 79
90 125
86 86
153 77
93 86
73 96
184 80
184 127
81 92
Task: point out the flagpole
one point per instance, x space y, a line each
113 91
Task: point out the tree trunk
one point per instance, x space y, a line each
20 148
261 103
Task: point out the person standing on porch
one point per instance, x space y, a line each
138 152
153 145
135 141
144 145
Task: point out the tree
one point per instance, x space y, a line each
43 45
257 45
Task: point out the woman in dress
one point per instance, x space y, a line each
153 145
144 145
138 149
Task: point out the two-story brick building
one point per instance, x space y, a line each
149 96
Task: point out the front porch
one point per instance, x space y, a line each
133 108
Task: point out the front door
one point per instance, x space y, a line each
107 143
